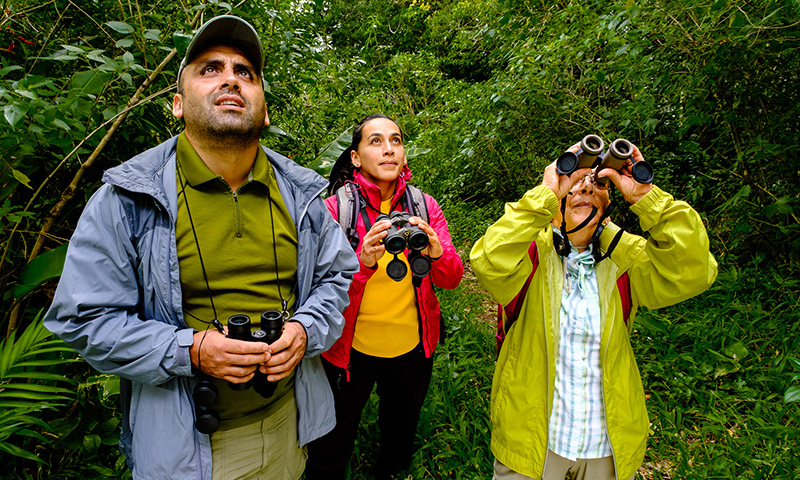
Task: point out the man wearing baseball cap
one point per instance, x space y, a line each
207 273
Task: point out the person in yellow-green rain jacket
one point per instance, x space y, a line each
567 397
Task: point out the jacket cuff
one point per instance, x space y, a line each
185 339
649 207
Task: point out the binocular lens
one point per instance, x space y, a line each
239 326
271 323
623 148
418 240
394 243
592 144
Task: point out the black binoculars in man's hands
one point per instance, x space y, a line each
401 235
271 330
205 393
591 155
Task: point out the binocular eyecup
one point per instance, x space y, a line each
239 328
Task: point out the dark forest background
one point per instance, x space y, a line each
488 92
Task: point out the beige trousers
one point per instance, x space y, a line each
265 449
559 468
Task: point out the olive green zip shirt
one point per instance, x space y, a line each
233 234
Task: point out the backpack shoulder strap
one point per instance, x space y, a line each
417 204
624 287
347 201
508 314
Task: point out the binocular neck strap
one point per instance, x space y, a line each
599 230
412 208
565 248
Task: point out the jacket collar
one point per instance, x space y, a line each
153 173
372 192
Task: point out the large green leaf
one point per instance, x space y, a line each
41 269
19 452
14 112
25 389
90 82
121 27
330 152
792 395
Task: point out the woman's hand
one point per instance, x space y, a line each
372 248
562 184
434 249
631 190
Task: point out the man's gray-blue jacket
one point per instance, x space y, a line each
119 305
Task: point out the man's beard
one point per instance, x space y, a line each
223 128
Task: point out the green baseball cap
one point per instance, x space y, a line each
226 30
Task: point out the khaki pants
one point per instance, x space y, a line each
265 449
559 468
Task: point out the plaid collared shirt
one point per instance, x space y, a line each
577 423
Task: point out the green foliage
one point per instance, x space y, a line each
85 438
488 92
718 371
29 387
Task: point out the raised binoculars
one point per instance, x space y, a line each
617 156
591 155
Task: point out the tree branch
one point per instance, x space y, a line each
69 193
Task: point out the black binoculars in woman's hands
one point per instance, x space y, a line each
402 235
591 155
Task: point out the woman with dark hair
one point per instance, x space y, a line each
392 325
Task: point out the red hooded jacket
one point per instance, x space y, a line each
446 271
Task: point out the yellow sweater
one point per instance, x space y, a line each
387 324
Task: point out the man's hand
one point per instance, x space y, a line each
221 357
287 352
631 190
